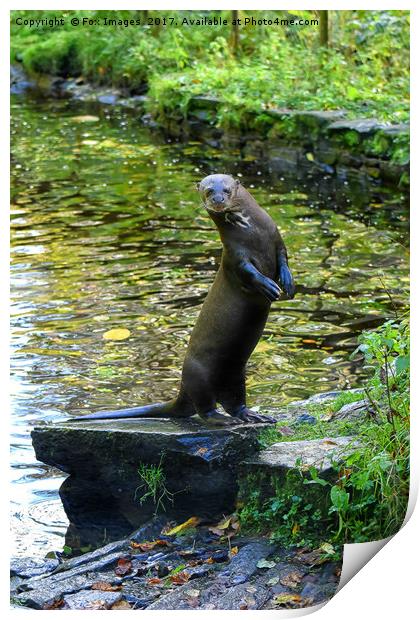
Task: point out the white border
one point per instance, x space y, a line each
387 586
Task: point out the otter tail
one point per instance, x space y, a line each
157 410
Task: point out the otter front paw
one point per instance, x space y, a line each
286 281
269 289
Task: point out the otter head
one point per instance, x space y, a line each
218 192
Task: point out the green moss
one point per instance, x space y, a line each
56 56
351 138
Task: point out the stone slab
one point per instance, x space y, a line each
103 457
319 453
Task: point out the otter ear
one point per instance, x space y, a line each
237 183
197 186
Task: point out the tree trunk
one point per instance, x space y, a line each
323 28
235 33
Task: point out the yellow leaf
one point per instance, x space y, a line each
309 156
295 528
192 522
222 525
116 334
87 118
285 599
233 551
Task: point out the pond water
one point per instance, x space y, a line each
107 232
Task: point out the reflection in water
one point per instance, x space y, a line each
108 233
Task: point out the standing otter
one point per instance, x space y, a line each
234 312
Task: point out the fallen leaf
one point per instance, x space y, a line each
287 599
224 524
309 157
180 578
309 341
123 567
233 551
86 118
329 442
265 564
57 604
192 522
193 563
318 556
121 605
148 546
273 581
120 333
154 581
292 580
104 586
228 526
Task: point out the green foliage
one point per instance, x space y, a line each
154 483
57 55
365 71
292 516
368 498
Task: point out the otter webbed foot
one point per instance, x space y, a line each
216 418
247 415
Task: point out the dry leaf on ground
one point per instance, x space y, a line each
104 586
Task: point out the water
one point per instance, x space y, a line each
108 233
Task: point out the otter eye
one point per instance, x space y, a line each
226 191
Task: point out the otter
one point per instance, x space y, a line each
254 263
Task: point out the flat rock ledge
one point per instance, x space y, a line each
301 455
195 570
103 458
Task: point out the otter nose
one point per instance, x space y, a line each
218 198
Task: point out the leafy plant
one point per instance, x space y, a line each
154 481
367 497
